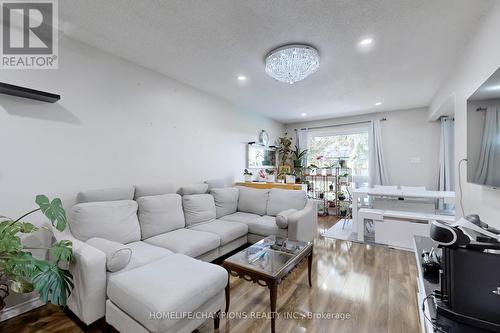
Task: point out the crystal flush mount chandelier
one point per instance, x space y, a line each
292 63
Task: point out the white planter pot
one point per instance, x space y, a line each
271 178
330 172
290 179
307 171
248 178
321 172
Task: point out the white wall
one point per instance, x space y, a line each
480 59
406 134
116 124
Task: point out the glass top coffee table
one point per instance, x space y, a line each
267 263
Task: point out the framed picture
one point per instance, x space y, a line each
284 169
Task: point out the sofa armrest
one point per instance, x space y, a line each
303 225
88 297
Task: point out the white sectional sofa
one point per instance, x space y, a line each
135 249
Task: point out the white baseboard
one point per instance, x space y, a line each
20 308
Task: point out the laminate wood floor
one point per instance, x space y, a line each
372 286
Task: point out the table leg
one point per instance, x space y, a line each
309 267
273 287
228 298
217 320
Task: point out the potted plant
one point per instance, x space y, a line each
290 178
284 147
298 157
320 171
262 175
312 169
330 170
341 195
271 178
20 272
248 175
344 176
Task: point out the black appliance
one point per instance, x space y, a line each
470 285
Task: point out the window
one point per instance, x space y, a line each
351 145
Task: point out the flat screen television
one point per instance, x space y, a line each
483 134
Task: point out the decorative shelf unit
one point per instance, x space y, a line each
325 188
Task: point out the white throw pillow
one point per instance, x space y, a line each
198 208
280 200
252 200
226 200
200 188
282 218
113 220
160 213
117 255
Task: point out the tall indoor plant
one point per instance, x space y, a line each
284 146
20 271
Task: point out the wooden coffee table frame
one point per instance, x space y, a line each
266 280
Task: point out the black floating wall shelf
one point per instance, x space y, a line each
13 90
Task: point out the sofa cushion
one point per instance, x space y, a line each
108 194
265 226
160 213
113 220
227 231
217 183
177 284
190 242
282 217
198 208
226 200
280 200
239 217
117 255
200 188
143 254
252 200
154 189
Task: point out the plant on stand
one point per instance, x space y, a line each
320 169
20 272
340 195
248 175
271 178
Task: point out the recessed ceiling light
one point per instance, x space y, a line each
378 103
303 114
366 41
242 78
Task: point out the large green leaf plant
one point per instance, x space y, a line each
23 273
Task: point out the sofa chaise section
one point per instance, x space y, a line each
177 285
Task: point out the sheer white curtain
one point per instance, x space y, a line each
302 139
378 174
488 170
446 155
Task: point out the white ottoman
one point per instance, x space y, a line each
174 294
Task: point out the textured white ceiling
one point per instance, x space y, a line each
208 43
